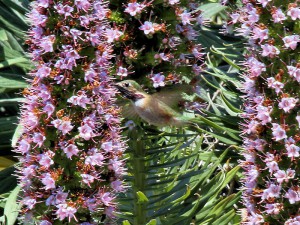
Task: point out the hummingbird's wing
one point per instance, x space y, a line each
174 95
128 110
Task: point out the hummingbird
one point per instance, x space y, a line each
156 109
153 108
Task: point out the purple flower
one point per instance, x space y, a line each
272 166
106 198
277 132
95 158
49 109
47 43
113 35
173 2
71 150
278 86
38 138
90 75
122 72
65 10
117 185
284 176
278 16
259 33
63 125
87 179
287 104
274 208
48 181
269 50
273 191
81 100
264 2
294 13
23 147
45 159
158 80
292 149
43 3
270 183
65 211
186 18
83 4
86 132
298 120
45 222
293 196
263 114
29 202
291 41
107 146
148 27
134 8
43 71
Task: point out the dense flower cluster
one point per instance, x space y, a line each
271 192
159 41
71 167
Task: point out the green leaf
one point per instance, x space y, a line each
10 62
142 198
12 207
225 57
152 222
12 83
225 218
211 9
126 222
188 192
7 180
17 134
11 101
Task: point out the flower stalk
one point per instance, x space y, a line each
271 129
71 148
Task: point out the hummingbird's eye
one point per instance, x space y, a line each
126 84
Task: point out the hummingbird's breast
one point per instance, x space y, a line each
156 112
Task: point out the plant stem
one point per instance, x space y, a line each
138 162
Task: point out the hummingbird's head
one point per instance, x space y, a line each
130 89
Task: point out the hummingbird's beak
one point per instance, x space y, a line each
125 92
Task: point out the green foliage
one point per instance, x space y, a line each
177 178
14 64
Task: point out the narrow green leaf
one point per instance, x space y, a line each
142 198
17 135
17 5
12 207
152 222
12 83
126 222
188 192
234 109
7 181
225 219
219 208
211 9
184 216
219 137
10 62
226 59
11 101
